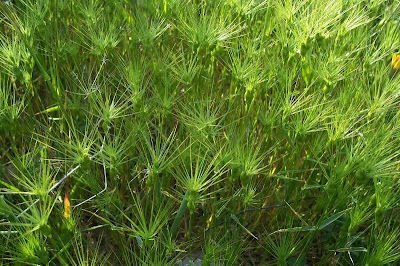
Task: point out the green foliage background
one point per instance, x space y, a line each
137 132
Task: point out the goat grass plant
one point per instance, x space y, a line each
250 132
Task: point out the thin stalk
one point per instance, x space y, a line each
157 190
190 226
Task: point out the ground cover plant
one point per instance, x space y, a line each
251 132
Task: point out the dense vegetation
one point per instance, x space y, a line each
139 132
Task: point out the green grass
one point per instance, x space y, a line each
258 132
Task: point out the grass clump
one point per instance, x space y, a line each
234 132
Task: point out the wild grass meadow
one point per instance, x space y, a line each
247 132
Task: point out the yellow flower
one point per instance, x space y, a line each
396 61
67 205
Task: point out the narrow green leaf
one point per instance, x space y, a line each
244 228
331 219
297 229
351 249
139 240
